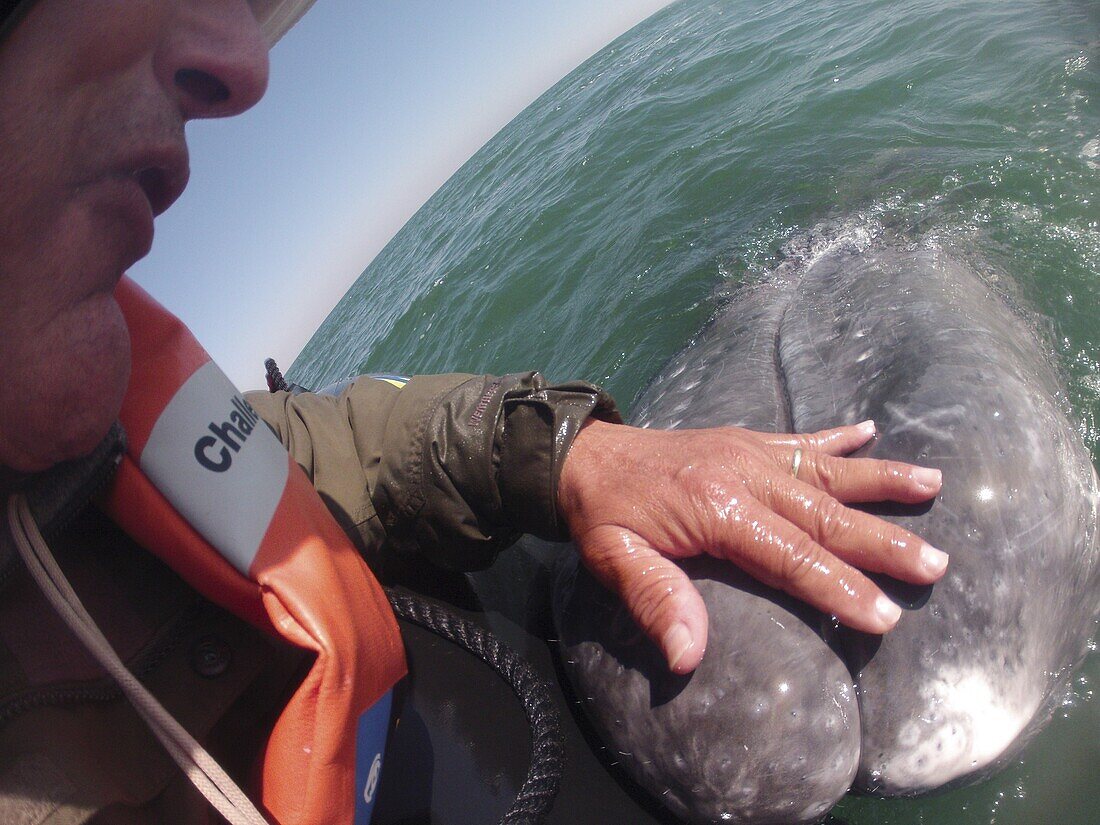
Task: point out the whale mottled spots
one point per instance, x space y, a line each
970 725
788 711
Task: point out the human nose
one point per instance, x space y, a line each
214 59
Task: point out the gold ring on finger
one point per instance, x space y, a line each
796 462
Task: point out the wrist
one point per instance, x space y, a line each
590 448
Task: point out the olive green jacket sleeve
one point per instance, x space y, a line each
454 467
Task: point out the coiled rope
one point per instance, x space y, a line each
540 787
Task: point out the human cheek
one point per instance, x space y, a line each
97 38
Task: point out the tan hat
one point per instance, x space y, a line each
277 16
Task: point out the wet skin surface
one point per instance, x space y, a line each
788 711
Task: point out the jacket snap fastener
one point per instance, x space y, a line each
210 657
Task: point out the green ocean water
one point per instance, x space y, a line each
596 233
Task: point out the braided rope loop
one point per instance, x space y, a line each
543 780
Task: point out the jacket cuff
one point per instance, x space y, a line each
537 428
480 460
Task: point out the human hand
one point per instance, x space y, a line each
636 500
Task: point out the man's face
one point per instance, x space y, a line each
94 95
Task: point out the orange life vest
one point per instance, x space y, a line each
207 487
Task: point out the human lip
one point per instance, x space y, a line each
125 204
161 172
137 187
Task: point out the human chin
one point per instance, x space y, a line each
67 393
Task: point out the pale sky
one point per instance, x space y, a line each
372 106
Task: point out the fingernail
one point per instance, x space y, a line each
934 561
927 477
887 611
866 427
677 642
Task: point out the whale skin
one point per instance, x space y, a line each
788 711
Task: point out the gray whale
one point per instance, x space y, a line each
788 711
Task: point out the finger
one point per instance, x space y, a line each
834 441
858 538
869 479
771 549
655 590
